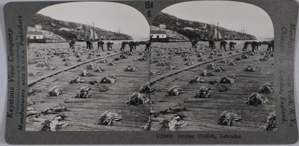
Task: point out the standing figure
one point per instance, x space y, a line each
194 43
232 46
88 45
109 46
100 44
148 46
223 44
211 44
270 46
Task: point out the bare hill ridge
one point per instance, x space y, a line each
67 30
194 30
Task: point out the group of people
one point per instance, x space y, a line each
254 45
132 45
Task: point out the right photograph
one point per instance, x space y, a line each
212 68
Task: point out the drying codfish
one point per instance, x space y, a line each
55 109
50 67
174 109
228 118
108 118
200 55
90 66
155 72
238 58
219 69
211 66
112 63
256 99
85 74
266 88
37 73
251 68
68 64
162 63
80 60
103 61
228 79
175 91
206 73
57 122
99 69
108 79
201 59
65 59
197 79
189 63
244 56
203 92
137 98
77 80
146 88
84 92
173 123
41 64
232 63
55 91
271 122
142 59
131 68
171 67
223 61
147 126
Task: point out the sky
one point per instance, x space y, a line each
112 16
231 15
106 15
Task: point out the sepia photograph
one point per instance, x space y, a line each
212 67
199 66
87 69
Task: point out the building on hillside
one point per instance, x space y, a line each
158 36
35 36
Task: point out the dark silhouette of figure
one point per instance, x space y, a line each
223 44
101 45
232 45
132 45
148 46
88 45
246 45
212 44
109 46
123 45
194 43
255 45
72 44
270 46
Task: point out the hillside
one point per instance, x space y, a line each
68 30
176 27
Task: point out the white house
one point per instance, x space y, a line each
156 34
35 35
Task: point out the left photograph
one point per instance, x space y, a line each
88 68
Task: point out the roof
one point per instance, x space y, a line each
157 32
34 33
